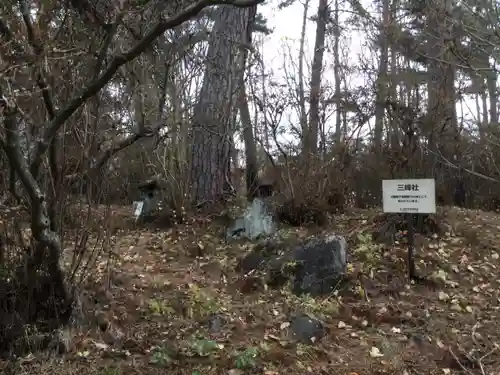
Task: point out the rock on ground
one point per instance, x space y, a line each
306 329
315 267
257 221
322 264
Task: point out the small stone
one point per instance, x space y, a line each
442 296
375 352
306 330
102 321
215 323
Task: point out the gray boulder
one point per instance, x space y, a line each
315 267
321 265
257 221
306 329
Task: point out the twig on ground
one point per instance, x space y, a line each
480 360
458 361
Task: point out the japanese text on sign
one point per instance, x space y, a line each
407 187
415 195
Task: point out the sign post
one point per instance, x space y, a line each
411 197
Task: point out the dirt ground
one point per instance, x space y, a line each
169 302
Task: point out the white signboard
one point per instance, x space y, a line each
137 207
416 196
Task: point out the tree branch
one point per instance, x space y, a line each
119 60
124 143
118 146
40 223
7 34
40 73
110 34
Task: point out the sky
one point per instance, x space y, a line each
285 39
287 25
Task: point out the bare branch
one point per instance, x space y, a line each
110 34
124 143
119 60
38 49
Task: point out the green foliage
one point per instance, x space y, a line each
246 359
201 304
260 25
158 307
320 308
161 357
285 4
365 240
366 249
204 347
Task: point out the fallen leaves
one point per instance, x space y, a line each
405 330
284 325
375 352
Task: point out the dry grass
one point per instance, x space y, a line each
157 299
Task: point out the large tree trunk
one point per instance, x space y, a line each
338 79
212 128
491 81
39 287
393 131
381 93
301 93
316 72
441 106
441 85
251 162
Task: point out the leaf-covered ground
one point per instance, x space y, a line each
170 302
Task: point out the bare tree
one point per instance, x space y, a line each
311 143
382 80
251 161
26 47
213 122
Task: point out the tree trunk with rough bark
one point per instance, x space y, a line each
441 85
212 128
338 78
491 82
44 296
382 81
316 73
251 162
301 94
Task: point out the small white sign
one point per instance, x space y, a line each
416 196
138 206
